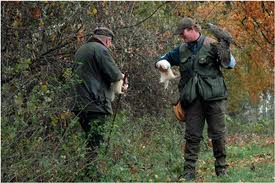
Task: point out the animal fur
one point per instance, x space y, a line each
116 88
222 48
165 77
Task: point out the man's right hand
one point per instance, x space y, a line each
125 85
162 69
163 65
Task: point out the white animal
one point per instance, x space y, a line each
165 77
116 88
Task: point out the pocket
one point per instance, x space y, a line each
184 60
203 60
212 88
188 92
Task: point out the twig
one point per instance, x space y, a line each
259 26
130 26
211 11
61 46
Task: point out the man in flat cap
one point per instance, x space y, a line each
202 94
97 72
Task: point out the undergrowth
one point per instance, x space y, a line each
141 150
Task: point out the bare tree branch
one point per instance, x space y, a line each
130 26
60 46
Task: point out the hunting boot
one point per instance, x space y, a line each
191 156
220 155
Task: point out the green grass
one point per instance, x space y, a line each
252 162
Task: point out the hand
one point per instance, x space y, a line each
124 87
162 69
163 65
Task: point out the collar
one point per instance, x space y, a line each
95 39
192 43
194 46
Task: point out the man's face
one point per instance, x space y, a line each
187 35
109 42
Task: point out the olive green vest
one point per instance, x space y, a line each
200 73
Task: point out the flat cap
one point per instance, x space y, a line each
184 23
104 31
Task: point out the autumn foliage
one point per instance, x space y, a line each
38 42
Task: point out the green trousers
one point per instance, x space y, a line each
197 114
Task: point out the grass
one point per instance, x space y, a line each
152 150
252 161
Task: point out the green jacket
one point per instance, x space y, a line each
200 73
96 70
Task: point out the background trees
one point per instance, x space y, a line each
39 39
